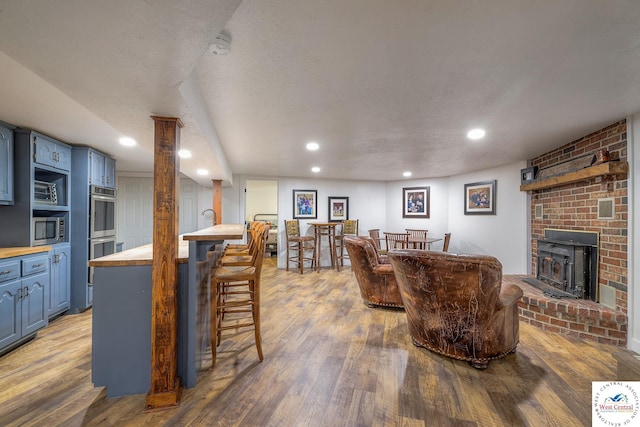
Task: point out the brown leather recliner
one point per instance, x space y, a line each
376 281
456 305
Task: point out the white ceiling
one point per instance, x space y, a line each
383 86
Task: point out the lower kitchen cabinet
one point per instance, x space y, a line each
24 298
60 295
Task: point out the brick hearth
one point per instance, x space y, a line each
577 318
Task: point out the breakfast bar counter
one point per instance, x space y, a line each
121 345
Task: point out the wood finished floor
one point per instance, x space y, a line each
329 361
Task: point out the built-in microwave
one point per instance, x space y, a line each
48 230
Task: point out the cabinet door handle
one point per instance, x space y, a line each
20 296
37 265
2 273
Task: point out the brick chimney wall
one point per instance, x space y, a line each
575 206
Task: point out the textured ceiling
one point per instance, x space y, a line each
382 86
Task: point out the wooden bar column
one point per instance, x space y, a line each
165 384
217 199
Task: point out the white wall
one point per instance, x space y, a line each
135 209
438 221
367 203
261 198
379 205
503 235
633 287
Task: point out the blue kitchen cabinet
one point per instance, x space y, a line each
60 294
49 152
102 169
6 164
24 298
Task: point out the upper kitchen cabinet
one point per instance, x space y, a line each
6 164
102 170
50 152
41 195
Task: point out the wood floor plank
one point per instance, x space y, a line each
330 360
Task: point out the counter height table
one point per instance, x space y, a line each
326 229
121 344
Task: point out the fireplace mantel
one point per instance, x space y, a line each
603 169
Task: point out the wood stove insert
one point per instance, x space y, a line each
568 261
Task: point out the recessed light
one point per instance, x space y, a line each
476 134
407 173
202 172
313 146
184 154
127 142
315 169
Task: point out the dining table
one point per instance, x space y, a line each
326 229
423 242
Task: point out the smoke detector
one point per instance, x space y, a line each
222 45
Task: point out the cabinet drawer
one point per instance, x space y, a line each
9 270
34 265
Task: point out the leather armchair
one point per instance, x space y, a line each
456 305
376 281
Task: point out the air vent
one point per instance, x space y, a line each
607 208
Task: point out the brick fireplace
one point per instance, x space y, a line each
596 205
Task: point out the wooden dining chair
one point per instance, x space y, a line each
445 244
374 233
419 237
396 240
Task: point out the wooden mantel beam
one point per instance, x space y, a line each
165 384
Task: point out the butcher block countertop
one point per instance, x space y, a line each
23 250
143 255
217 232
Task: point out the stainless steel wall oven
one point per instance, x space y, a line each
102 212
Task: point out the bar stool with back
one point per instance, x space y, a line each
349 228
298 246
235 294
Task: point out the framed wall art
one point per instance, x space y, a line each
480 198
338 208
415 202
305 204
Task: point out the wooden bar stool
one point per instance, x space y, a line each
299 246
235 296
349 228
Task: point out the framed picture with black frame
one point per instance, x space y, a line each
415 202
480 198
338 209
305 204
